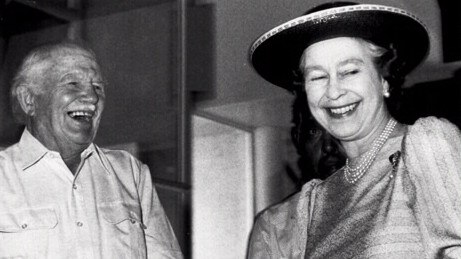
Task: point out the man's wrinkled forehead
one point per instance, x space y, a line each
63 58
71 55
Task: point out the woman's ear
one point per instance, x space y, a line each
26 100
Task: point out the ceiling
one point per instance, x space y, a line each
25 15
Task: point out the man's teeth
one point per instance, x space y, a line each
80 114
343 110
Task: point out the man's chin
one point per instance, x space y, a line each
81 139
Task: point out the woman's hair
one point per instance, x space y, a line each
387 64
309 137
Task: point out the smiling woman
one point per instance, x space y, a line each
344 90
395 196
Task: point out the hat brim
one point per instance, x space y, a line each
276 54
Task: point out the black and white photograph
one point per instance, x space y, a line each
230 129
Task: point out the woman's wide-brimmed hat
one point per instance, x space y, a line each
276 54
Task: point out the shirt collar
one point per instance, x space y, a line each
32 150
102 158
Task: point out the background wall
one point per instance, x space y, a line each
223 189
137 51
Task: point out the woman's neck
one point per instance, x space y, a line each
356 148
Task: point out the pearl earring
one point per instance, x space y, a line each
386 93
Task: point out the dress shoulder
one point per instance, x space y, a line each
433 146
434 127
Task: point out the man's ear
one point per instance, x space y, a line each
26 100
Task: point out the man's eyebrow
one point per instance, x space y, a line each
66 76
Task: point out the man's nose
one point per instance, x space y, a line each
89 94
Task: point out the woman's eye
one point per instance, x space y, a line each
72 83
318 78
313 78
350 72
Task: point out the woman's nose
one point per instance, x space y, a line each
334 89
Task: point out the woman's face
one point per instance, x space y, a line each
344 89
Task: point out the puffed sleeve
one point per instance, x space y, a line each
160 239
432 153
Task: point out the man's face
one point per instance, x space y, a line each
68 108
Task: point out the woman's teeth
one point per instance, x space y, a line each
343 110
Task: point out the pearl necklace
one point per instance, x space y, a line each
353 174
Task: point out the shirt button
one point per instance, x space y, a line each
79 224
74 186
24 226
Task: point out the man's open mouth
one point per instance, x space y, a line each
83 116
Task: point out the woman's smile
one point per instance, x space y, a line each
342 111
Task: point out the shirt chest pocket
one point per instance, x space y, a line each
123 223
27 232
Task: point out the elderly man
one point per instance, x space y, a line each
61 196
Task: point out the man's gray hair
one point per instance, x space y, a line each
32 68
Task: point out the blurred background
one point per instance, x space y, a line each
183 98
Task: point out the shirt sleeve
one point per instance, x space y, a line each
433 161
160 239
